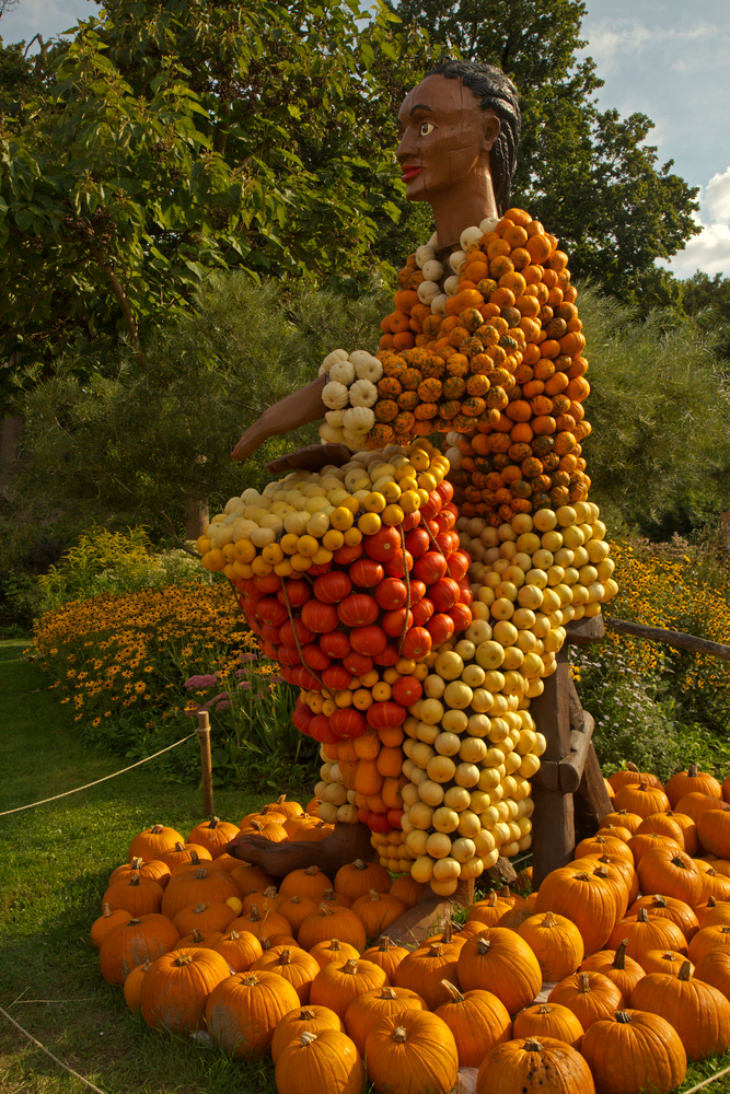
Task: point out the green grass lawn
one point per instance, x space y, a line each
54 864
53 869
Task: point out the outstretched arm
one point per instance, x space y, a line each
294 410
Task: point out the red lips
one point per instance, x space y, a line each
409 173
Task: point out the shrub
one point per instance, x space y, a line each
103 561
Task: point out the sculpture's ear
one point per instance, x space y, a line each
491 126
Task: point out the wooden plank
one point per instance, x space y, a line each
678 639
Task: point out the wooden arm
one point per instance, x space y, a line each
294 410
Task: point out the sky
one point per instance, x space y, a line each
663 58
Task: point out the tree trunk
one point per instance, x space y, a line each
196 516
11 435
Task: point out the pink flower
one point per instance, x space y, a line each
208 680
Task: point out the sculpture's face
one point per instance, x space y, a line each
445 137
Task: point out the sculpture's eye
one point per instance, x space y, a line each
425 128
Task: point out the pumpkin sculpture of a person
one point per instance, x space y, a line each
501 374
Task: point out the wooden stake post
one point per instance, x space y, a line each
570 775
206 765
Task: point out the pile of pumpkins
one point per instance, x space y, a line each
608 977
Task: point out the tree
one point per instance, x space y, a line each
153 445
182 137
587 174
707 300
659 451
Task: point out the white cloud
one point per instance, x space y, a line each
717 197
710 250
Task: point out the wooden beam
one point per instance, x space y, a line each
678 639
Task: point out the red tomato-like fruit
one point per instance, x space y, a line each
314 658
358 664
385 715
366 572
431 506
444 593
297 592
389 656
269 610
370 640
407 690
348 722
461 615
357 610
320 729
445 491
298 628
422 612
441 628
391 594
346 555
288 655
417 542
302 717
332 587
383 544
416 644
336 677
418 590
270 583
335 644
458 564
319 617
394 623
399 564
448 542
430 567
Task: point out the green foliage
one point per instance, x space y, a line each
183 138
255 742
135 666
588 175
102 561
660 707
659 451
139 446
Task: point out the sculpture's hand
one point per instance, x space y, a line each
285 416
312 458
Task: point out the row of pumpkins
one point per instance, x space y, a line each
607 977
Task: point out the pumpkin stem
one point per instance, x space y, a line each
623 1018
156 829
692 771
306 1015
388 993
549 919
359 864
619 961
642 916
399 1035
106 909
182 960
544 1008
137 863
284 958
585 983
350 966
453 991
532 1045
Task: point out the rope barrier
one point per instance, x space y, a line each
105 778
48 1053
706 1082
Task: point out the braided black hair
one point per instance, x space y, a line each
496 92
